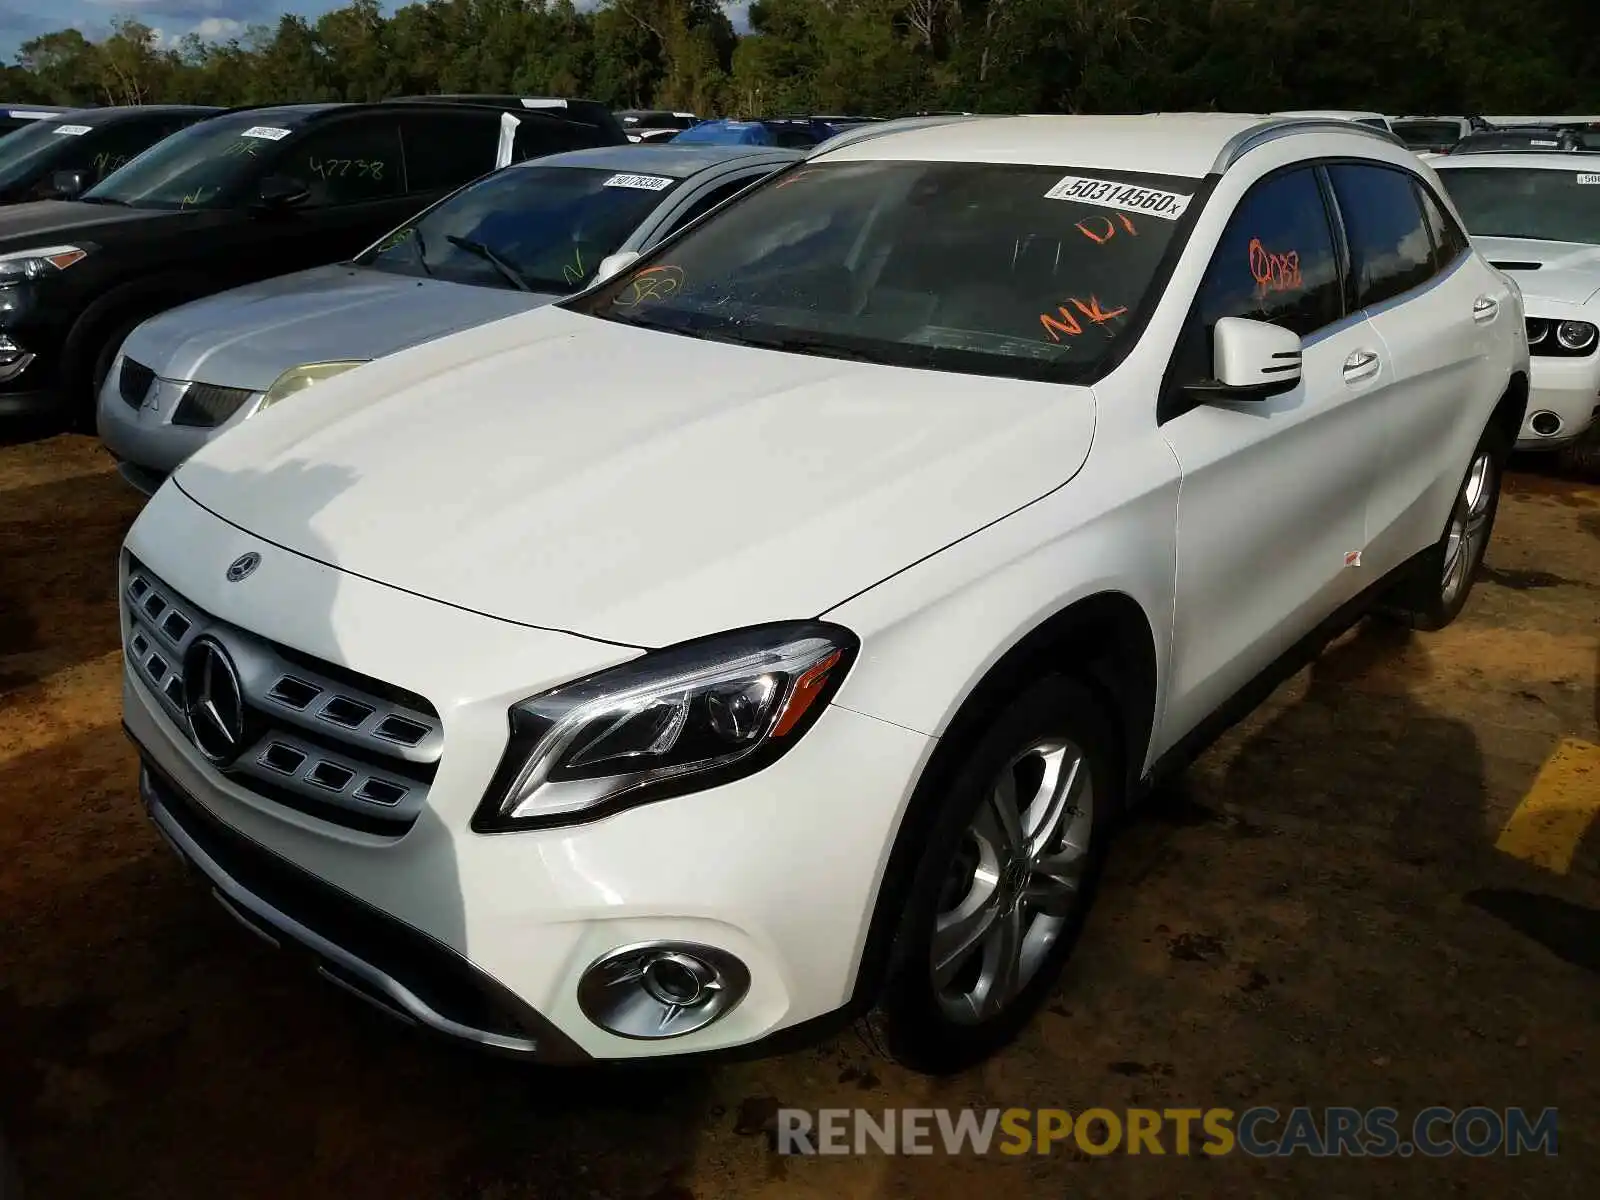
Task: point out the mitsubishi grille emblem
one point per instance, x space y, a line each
213 700
241 567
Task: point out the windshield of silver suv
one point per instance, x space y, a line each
207 165
535 228
993 269
1541 204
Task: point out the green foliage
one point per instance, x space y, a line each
868 56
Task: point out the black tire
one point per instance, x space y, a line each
916 1024
83 392
1426 600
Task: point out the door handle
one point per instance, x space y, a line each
1363 364
1485 308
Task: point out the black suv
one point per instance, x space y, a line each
58 158
19 116
1512 139
242 196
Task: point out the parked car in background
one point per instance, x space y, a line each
799 134
505 244
238 197
1530 139
1434 135
653 137
609 131
1537 217
778 629
653 124
19 116
61 157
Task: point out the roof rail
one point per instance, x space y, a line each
1273 128
876 129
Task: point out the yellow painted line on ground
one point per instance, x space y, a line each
1547 826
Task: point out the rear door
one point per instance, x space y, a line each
1274 492
1436 309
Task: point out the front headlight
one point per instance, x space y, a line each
672 721
1575 335
31 264
298 379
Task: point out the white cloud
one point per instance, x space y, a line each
216 29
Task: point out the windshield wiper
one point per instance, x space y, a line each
489 256
421 247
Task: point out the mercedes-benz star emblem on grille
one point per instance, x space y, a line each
242 566
213 700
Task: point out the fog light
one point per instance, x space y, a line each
661 989
1545 424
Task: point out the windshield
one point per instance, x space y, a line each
1023 271
1544 205
203 166
548 226
29 150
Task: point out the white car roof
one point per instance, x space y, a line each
1184 144
1338 114
1578 164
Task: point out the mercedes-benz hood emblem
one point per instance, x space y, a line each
242 566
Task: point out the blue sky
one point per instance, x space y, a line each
24 19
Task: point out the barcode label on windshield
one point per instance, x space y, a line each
1588 177
270 132
1112 193
71 130
648 183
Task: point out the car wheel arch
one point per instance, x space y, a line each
1104 640
122 307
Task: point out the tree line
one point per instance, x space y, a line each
869 57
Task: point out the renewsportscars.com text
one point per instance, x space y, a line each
1260 1132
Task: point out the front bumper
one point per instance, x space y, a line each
385 962
146 443
1563 394
780 869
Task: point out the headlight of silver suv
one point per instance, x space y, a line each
671 721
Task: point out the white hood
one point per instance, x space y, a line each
642 487
1568 272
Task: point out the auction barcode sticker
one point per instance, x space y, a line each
1112 193
71 130
1588 177
649 183
270 132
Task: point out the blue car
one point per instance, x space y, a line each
794 134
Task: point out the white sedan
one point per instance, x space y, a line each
1537 217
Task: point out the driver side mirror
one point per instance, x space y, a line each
1255 360
67 185
613 264
280 191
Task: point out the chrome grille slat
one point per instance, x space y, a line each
374 757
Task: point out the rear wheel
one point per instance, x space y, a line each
1442 578
1005 881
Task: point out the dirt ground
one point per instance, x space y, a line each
1317 915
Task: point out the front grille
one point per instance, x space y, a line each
205 405
133 382
316 737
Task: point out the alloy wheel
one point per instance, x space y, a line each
1469 527
1015 881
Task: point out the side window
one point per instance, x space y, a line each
709 201
445 150
1390 251
347 162
1276 260
1449 242
115 147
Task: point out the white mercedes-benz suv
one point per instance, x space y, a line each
774 632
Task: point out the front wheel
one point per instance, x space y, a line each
1005 881
1443 577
